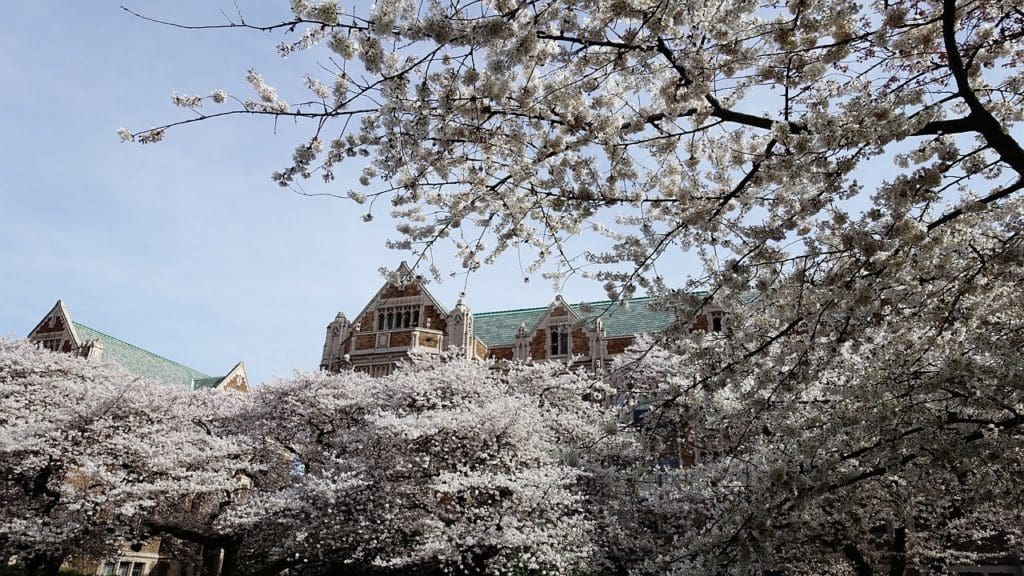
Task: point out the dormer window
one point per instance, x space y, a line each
716 321
559 340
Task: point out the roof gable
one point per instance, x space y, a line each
414 286
236 379
56 324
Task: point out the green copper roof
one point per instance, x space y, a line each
500 328
206 382
141 362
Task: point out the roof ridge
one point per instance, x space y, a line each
594 303
101 333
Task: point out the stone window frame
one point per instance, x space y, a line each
398 317
559 340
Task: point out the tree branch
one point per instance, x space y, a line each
986 124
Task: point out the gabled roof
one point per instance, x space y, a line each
500 328
142 362
236 379
60 310
403 271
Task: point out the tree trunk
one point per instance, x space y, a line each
51 566
230 564
898 563
857 560
32 565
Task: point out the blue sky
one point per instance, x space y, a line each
186 247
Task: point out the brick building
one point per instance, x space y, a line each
403 318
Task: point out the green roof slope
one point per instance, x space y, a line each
639 317
141 362
199 383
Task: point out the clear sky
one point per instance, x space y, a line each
185 248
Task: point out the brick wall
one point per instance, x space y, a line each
401 338
619 345
366 342
539 345
46 328
392 291
504 353
700 323
436 319
428 340
580 343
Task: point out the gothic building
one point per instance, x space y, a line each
406 317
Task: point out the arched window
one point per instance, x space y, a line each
559 340
398 317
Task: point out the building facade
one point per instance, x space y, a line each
404 317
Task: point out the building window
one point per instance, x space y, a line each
716 322
398 317
108 569
123 568
559 340
378 370
138 568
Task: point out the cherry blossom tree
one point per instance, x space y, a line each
873 439
440 467
445 466
739 129
849 173
88 452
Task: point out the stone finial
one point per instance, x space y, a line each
404 273
460 305
522 330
